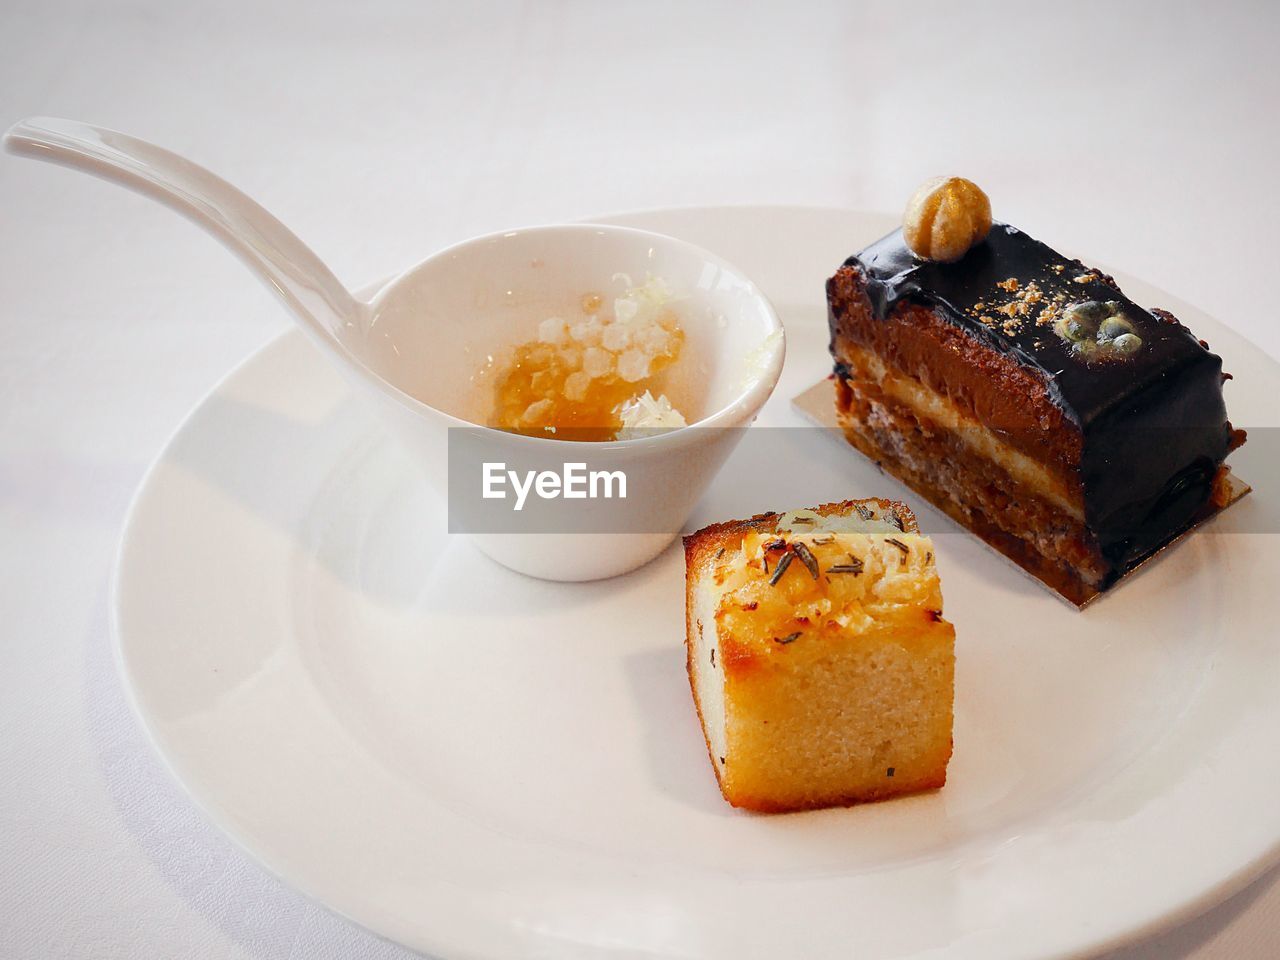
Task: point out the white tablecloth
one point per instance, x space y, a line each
1145 135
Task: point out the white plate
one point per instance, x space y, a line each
477 764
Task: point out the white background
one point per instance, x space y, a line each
1143 135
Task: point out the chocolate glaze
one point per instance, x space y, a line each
1154 425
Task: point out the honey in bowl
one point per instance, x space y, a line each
588 378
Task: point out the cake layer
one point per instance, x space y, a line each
934 413
977 491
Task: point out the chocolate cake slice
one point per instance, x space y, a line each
1023 394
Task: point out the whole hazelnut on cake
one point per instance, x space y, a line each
946 217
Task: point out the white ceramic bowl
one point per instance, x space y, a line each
434 328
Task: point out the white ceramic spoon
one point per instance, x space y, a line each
417 347
317 300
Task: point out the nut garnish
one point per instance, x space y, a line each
945 218
1096 330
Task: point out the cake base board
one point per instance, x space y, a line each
817 404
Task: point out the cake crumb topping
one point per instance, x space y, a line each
1029 302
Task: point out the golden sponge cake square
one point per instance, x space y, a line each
821 666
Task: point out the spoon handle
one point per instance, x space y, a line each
310 290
